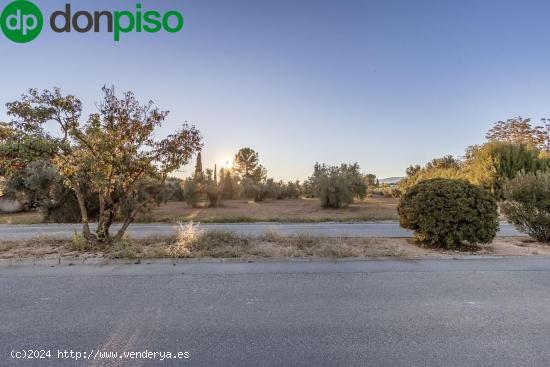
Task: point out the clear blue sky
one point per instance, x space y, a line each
386 83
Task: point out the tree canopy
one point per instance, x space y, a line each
247 165
492 164
113 151
520 131
337 186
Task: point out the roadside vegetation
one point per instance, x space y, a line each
512 167
109 167
527 204
449 213
271 245
109 163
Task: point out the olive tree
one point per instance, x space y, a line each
113 152
337 186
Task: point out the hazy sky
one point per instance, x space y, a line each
385 83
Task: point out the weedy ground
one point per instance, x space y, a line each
190 242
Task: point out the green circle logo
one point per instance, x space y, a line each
21 21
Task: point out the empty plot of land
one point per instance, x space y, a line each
239 211
303 210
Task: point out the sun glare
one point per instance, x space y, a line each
225 162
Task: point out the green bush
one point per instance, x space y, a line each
254 190
445 167
42 187
489 165
195 193
281 190
61 205
274 190
493 164
214 194
292 190
228 184
527 204
448 213
337 186
260 192
385 191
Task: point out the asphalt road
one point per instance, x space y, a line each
370 229
473 312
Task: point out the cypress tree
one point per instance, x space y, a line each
199 175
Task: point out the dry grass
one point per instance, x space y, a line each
242 211
186 236
42 248
224 244
21 218
303 210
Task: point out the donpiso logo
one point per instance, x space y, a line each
21 21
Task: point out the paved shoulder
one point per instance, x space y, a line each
367 229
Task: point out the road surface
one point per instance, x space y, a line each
369 229
473 312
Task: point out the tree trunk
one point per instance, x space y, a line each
107 215
124 227
100 231
127 222
84 214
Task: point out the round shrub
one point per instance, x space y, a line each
449 213
527 204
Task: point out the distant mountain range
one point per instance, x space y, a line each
390 180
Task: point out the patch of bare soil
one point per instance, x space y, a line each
302 210
515 246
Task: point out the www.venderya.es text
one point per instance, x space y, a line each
69 354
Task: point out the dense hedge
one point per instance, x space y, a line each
449 213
